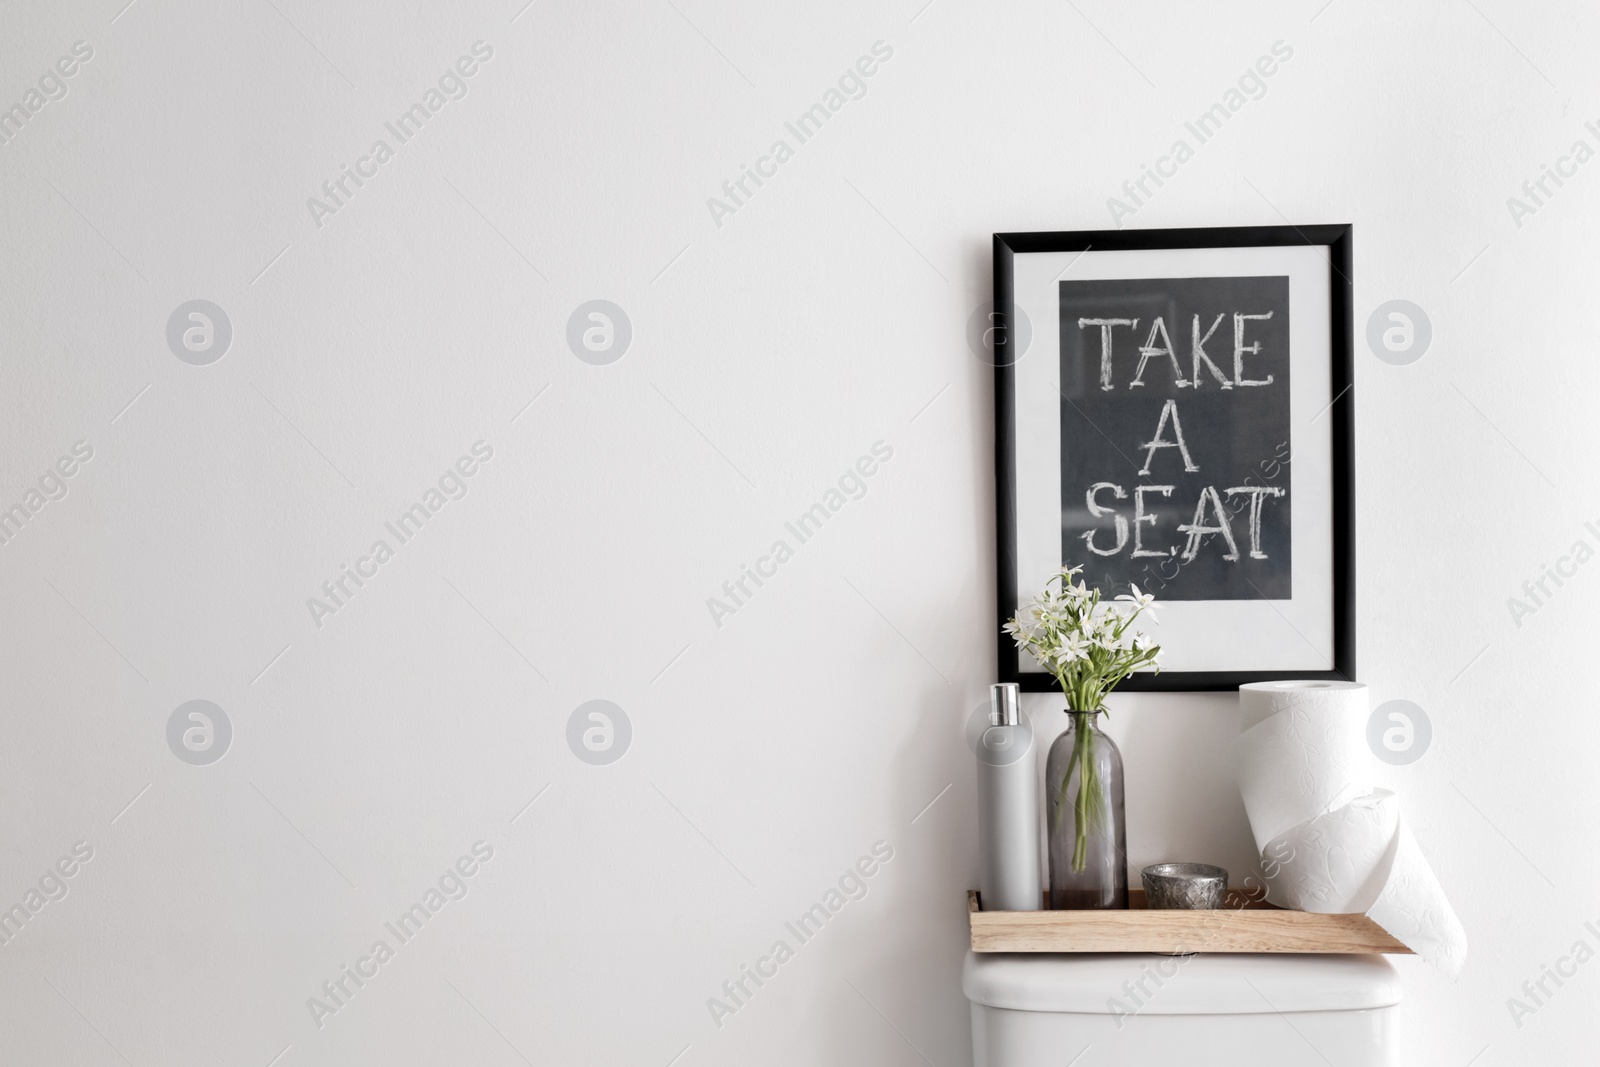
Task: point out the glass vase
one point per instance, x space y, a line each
1088 834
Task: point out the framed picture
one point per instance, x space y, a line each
1174 409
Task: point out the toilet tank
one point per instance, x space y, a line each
1093 1010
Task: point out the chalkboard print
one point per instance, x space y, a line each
1175 408
1152 442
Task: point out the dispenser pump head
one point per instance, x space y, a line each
1004 704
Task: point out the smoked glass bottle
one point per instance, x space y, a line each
1087 831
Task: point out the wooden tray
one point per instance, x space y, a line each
1243 924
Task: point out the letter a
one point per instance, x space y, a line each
318 209
1118 209
718 1010
718 609
319 609
719 209
1198 532
318 1010
1169 408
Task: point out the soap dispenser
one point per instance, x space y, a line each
1008 806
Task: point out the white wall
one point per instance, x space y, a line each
826 314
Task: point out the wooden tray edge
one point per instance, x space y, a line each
1253 927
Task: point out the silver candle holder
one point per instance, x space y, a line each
1184 886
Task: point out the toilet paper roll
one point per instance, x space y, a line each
1303 752
1260 700
1335 863
1329 841
1412 907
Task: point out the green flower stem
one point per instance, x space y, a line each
1088 809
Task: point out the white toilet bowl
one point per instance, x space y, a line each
1087 1010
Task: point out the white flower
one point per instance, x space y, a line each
1141 601
1114 642
1078 636
1069 648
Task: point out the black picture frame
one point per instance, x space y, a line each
1337 241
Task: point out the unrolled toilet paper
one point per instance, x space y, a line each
1329 841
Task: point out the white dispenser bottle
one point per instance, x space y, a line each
1008 807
